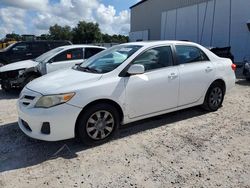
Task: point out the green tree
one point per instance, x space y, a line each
45 37
58 32
13 36
106 38
114 38
86 32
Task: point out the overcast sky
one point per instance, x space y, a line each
35 16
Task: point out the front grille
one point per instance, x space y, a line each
26 125
9 74
27 99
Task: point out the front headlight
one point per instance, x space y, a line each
20 72
53 100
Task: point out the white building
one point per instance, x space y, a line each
212 23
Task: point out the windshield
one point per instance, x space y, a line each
47 55
108 60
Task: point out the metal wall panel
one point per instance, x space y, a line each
212 24
147 15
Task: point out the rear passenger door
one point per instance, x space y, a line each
196 73
65 59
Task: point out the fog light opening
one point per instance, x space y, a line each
45 128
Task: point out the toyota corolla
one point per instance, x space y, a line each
123 84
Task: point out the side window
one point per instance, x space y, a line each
20 47
68 55
89 52
155 58
190 54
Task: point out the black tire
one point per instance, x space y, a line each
85 121
28 80
214 97
248 79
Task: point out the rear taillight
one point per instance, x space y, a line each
234 67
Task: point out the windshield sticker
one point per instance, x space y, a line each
125 50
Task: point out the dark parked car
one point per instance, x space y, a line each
246 70
27 50
223 52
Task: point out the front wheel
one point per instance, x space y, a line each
214 97
97 124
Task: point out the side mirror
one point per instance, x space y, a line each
136 69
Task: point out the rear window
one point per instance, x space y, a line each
190 54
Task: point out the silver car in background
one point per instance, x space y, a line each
17 75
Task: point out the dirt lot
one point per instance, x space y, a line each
190 148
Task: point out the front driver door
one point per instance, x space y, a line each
65 59
157 89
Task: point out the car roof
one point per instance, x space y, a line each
45 41
80 46
163 42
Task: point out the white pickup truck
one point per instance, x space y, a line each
17 75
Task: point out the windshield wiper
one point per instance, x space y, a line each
87 69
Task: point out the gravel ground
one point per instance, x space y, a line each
189 148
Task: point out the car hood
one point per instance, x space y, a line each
18 65
62 81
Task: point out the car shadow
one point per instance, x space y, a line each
12 94
19 151
243 82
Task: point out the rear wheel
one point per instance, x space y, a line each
214 97
97 124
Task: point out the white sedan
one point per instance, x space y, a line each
17 75
123 84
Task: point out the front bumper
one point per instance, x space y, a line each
11 81
61 120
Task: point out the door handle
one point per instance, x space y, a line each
173 76
208 69
29 54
